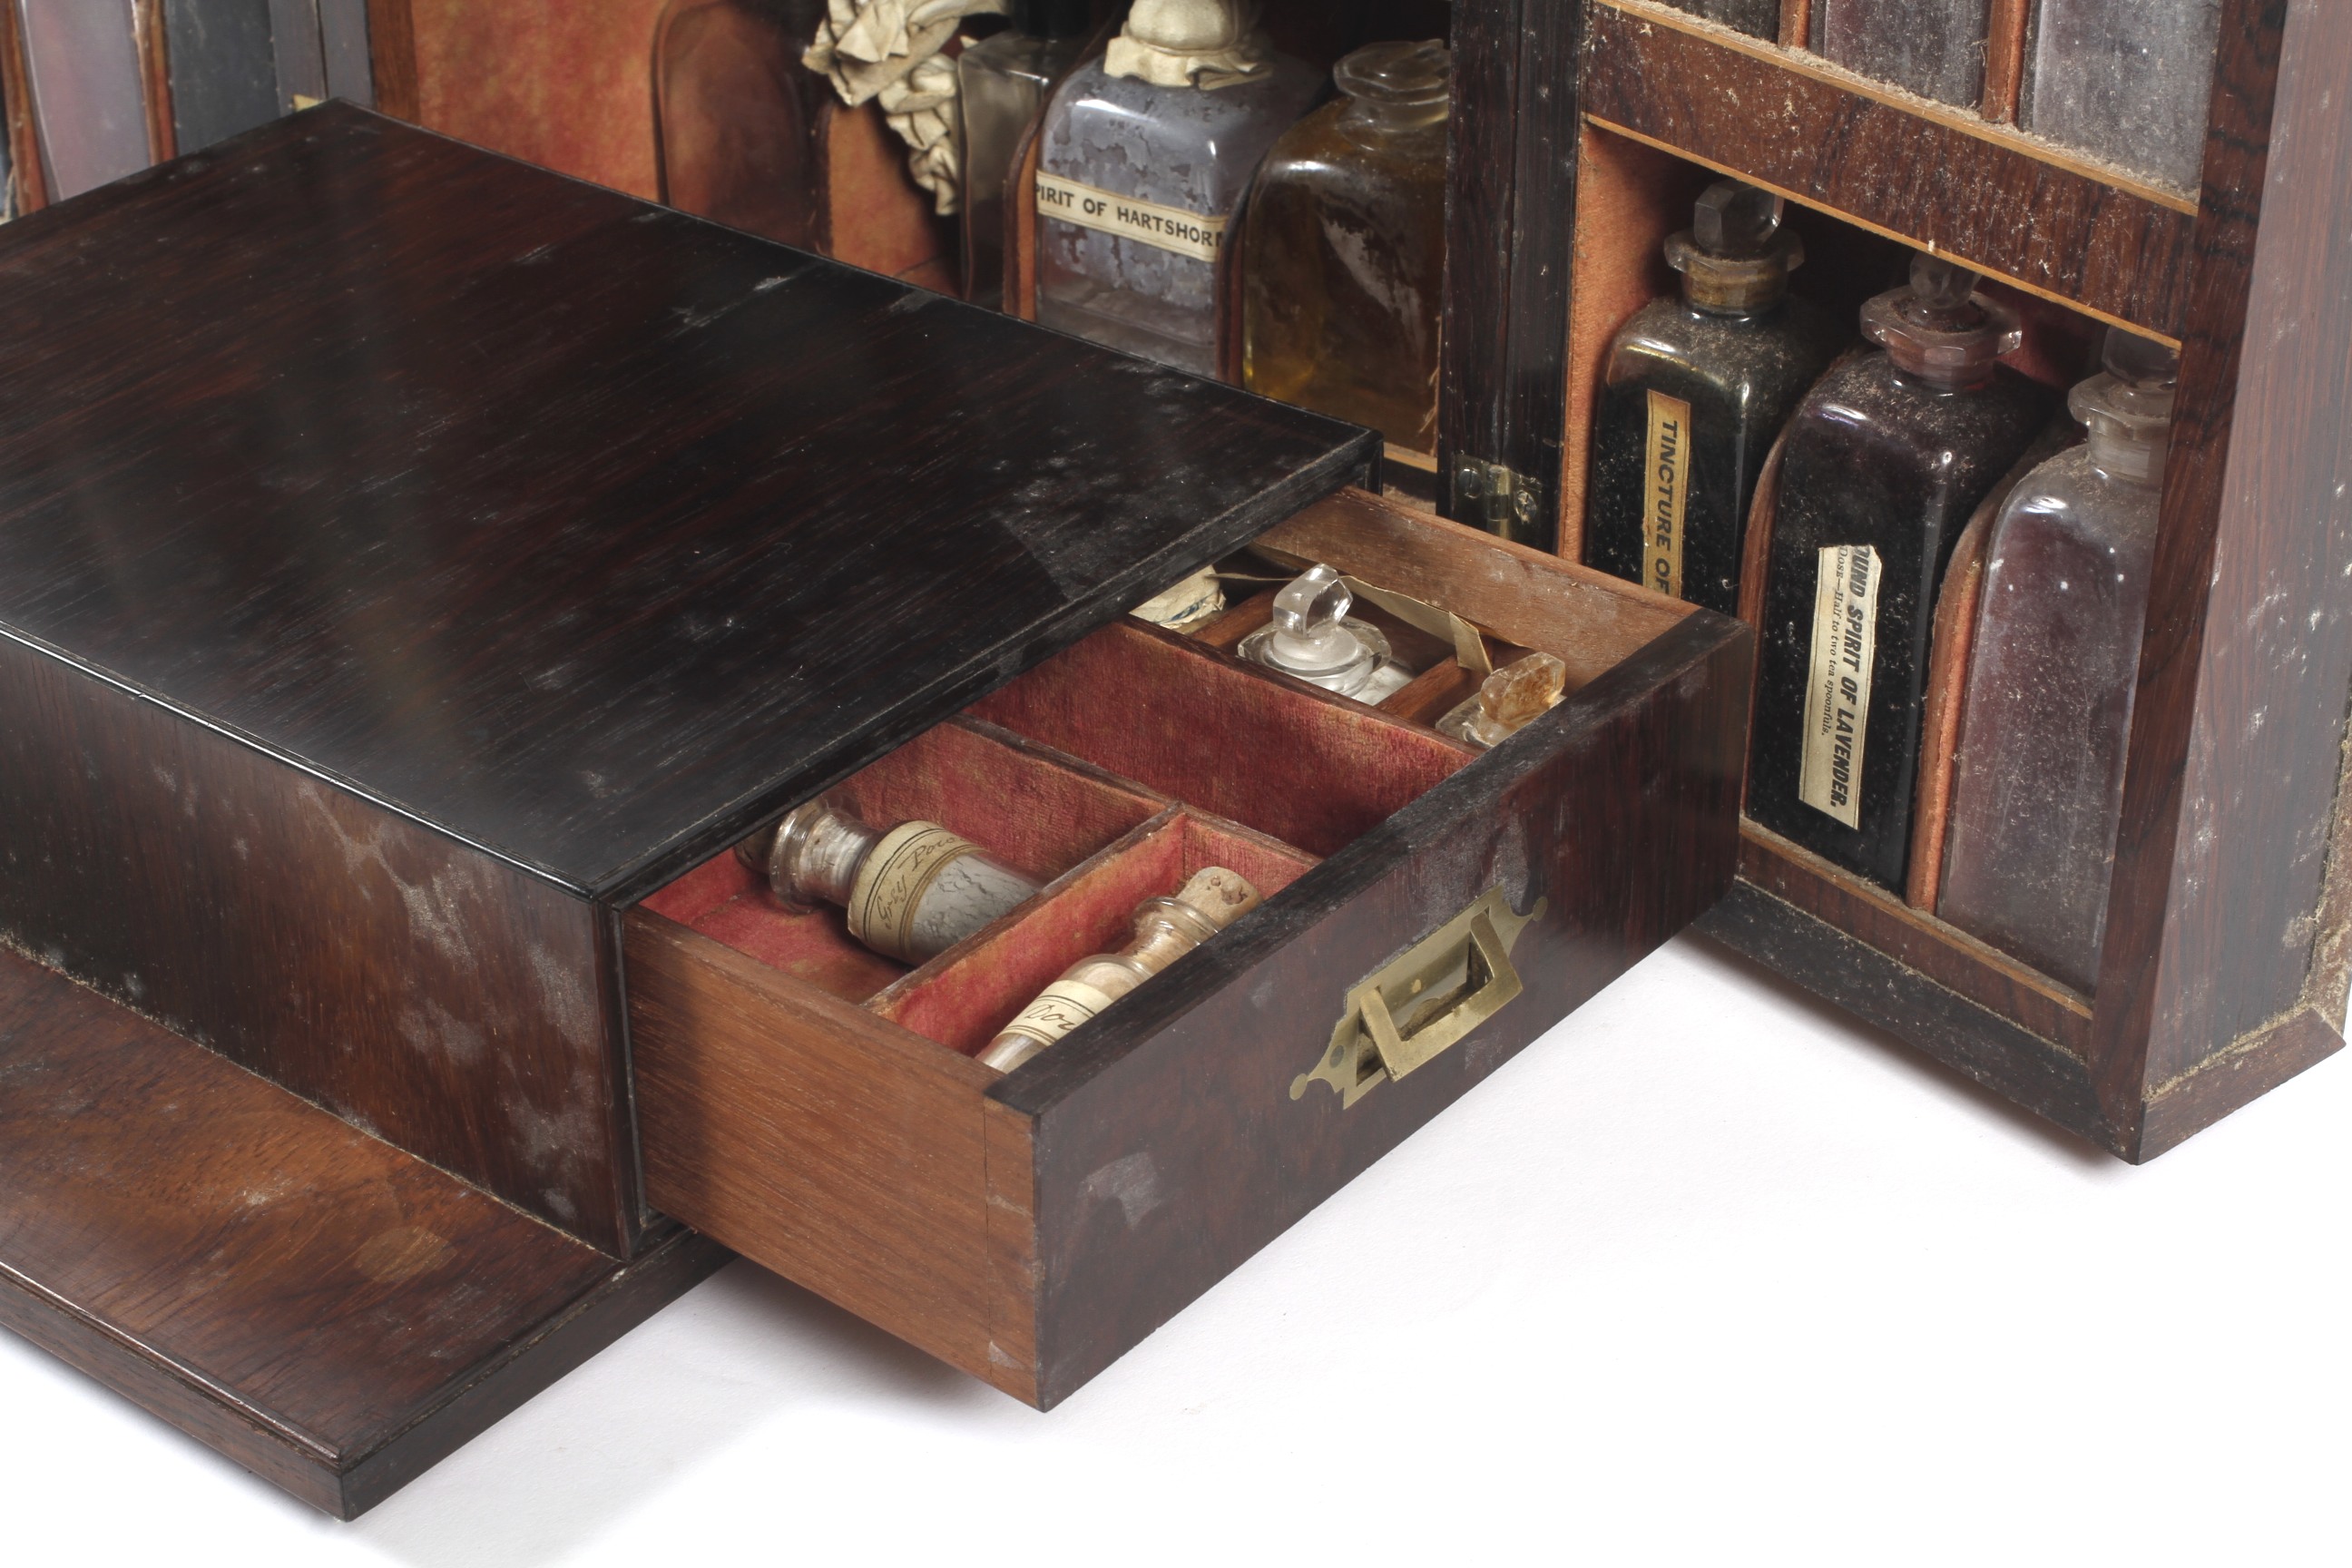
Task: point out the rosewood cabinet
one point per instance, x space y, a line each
1582 131
418 571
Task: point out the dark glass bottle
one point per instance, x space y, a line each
1757 18
1695 392
1001 86
1885 459
2038 784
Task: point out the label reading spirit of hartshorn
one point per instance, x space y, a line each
1668 493
1837 691
1147 222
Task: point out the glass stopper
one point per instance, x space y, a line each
1736 221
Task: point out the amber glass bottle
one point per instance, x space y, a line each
2038 784
1885 459
1344 249
1695 391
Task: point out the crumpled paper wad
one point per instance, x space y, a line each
889 50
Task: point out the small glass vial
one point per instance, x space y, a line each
2125 81
911 893
1001 85
2038 783
1885 460
1694 394
1757 18
1933 47
1313 639
1145 155
1509 700
1344 249
1165 930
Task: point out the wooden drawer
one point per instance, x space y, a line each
816 1111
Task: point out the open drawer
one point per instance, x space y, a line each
817 1107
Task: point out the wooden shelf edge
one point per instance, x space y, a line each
1927 176
1945 954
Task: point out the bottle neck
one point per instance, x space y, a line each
1372 116
2129 458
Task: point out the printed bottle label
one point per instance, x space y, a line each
1059 1008
1147 222
1668 473
1837 694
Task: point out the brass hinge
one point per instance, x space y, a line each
1491 495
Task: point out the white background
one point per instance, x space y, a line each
1710 1275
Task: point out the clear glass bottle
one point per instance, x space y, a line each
1343 263
1165 930
1145 157
2038 783
1001 86
1692 395
1509 700
912 893
1757 18
1933 47
2125 81
1313 637
1885 459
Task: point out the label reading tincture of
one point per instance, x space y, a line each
1148 223
1669 493
1837 694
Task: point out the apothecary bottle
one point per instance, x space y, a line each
1313 639
1693 393
1344 249
1933 47
2125 82
2038 782
1757 18
1885 459
1165 929
910 892
1001 86
1145 157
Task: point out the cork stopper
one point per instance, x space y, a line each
1937 331
1219 896
1736 257
1207 44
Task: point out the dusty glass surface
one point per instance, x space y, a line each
2126 80
1889 454
1933 47
1757 18
1692 395
1344 253
1001 85
2037 788
1188 149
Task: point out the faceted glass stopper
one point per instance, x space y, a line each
1736 220
1940 285
1522 690
1937 329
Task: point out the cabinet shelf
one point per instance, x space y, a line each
1931 176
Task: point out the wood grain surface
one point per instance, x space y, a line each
494 496
329 1312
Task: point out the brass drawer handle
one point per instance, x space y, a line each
1450 983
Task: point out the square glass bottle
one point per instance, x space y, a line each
1144 158
2045 717
2125 81
1885 459
1692 395
1344 249
1933 47
1001 85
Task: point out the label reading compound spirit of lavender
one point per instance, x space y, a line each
1837 694
1147 222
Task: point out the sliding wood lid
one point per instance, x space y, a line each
584 530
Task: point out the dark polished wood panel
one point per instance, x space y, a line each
1988 198
1618 808
585 530
453 1004
327 1312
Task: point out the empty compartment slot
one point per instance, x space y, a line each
1313 770
1037 814
964 998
